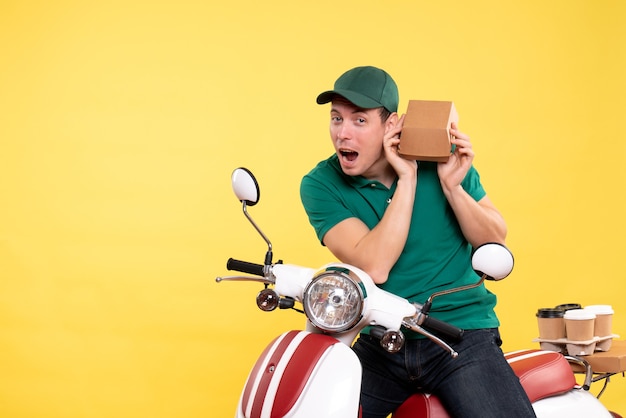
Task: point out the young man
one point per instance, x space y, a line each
412 228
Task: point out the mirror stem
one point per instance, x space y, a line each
268 255
429 302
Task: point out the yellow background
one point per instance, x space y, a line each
120 124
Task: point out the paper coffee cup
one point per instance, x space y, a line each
604 319
579 324
551 324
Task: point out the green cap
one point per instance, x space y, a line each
366 87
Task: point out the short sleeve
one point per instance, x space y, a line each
471 184
323 205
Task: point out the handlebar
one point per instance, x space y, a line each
450 332
429 327
421 322
245 267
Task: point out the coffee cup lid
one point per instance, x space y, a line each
579 314
600 309
568 306
549 313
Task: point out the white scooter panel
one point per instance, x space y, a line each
302 374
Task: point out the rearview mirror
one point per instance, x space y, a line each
493 260
245 186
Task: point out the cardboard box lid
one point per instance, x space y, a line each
426 131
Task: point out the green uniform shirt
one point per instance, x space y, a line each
436 255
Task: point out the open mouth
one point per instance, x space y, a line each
348 155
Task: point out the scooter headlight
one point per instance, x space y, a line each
333 300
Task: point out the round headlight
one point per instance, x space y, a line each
333 300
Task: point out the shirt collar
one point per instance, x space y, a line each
360 182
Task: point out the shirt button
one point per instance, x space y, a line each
388 200
373 184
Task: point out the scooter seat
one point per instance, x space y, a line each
541 373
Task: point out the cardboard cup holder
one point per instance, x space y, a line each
574 330
581 349
577 348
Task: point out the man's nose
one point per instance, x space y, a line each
344 132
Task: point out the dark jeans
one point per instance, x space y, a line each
479 383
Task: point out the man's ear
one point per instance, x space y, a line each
391 121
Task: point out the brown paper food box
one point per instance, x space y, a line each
612 361
426 131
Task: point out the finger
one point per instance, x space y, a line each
401 121
459 135
464 152
392 141
397 128
460 144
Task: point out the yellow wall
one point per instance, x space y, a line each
121 121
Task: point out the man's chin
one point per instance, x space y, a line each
350 169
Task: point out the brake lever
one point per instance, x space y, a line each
257 279
412 325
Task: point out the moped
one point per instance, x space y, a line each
314 373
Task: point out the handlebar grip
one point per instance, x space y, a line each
443 328
377 331
245 267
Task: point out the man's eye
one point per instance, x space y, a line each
361 120
335 119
